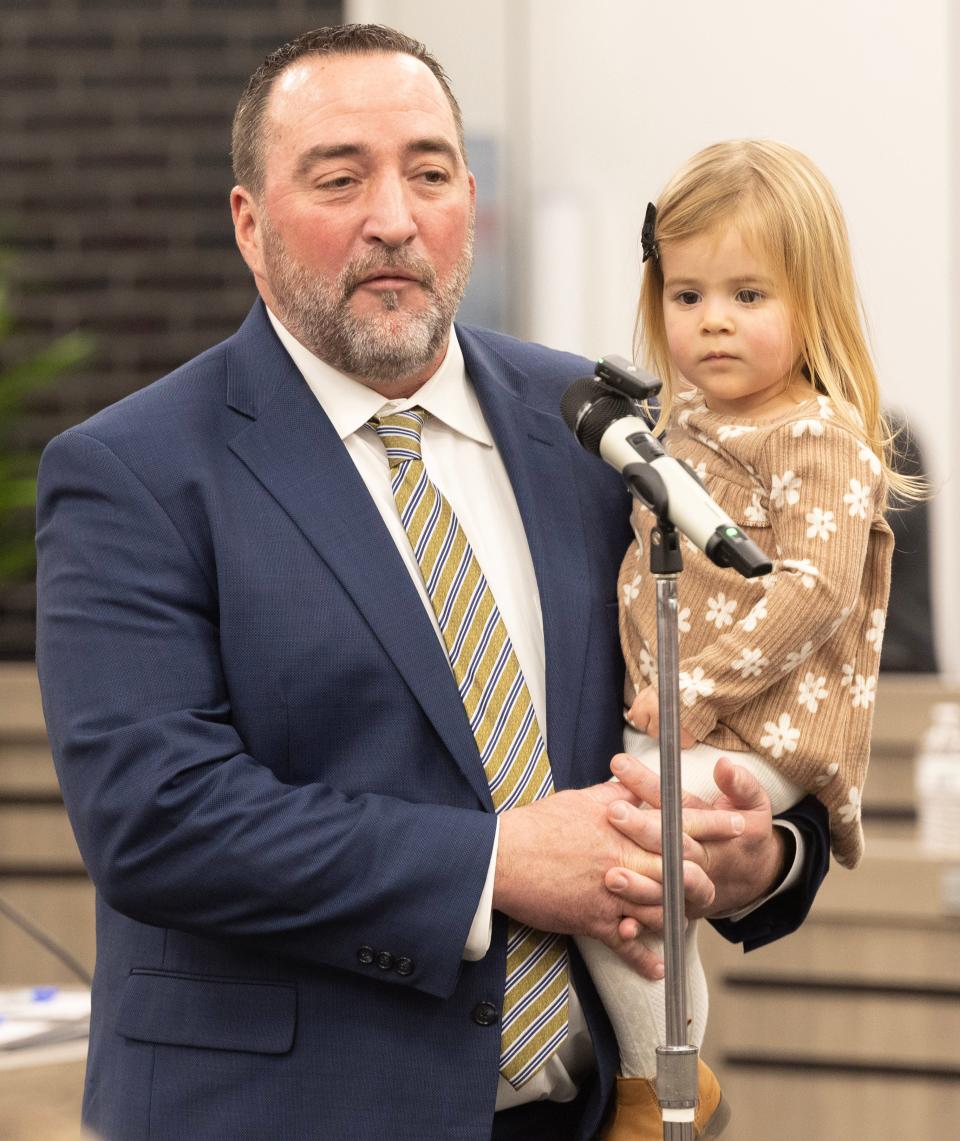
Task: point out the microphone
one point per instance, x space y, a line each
610 426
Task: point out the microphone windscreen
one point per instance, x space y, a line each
589 408
581 393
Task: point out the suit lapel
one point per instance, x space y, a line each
536 449
293 450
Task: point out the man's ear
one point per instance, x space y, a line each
246 228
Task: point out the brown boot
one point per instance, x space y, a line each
713 1111
636 1115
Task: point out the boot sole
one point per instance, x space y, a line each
719 1120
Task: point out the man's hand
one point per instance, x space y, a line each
733 840
569 863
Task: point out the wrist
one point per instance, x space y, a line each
788 843
779 859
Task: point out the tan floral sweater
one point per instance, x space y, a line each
785 665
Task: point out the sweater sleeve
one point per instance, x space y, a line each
821 490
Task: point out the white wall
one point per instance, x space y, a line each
596 113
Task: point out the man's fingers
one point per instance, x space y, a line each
632 889
705 824
639 956
643 827
739 786
644 783
635 776
637 892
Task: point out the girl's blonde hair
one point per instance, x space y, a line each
786 212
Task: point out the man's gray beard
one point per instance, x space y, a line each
388 346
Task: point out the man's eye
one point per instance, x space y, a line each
341 182
435 177
749 296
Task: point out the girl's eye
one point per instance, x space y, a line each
749 296
688 297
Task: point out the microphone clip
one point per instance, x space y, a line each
645 483
624 378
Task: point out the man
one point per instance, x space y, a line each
283 752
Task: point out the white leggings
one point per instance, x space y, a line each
634 1005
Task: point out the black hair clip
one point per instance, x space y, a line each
648 239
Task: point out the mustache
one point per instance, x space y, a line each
353 274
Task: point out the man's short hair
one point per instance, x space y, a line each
247 143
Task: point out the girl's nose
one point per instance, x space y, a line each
716 319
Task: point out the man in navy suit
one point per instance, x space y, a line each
302 888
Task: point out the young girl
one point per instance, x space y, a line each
749 313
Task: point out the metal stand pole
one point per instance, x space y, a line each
677 1077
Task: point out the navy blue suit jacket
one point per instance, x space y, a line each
267 765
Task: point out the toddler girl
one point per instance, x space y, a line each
749 313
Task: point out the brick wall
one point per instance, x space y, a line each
114 153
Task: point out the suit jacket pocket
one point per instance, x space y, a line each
218 1014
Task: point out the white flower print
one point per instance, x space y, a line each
785 490
851 810
807 571
780 737
863 692
826 412
648 665
822 524
846 674
701 470
631 590
683 620
869 456
684 418
797 657
733 431
757 613
814 427
707 441
829 772
858 498
694 685
755 512
812 692
750 663
838 622
720 609
874 635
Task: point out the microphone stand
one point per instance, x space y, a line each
677 1077
589 407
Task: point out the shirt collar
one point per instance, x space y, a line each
447 395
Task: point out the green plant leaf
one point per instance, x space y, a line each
20 379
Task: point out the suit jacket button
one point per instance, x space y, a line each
404 966
384 960
485 1014
366 955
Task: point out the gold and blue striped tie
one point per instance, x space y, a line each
504 725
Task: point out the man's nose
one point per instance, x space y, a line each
390 217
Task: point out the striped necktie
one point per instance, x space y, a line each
503 722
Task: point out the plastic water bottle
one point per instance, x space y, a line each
938 780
